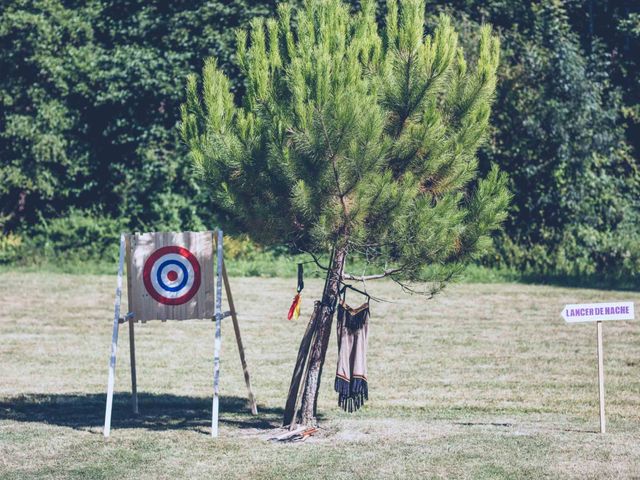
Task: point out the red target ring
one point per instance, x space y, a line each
171 275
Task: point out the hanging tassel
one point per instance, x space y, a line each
294 310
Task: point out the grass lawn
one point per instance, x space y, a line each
485 381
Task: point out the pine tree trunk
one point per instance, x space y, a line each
318 347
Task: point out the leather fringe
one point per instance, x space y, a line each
351 395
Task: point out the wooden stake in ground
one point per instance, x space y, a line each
601 377
599 312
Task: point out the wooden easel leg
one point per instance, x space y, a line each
114 343
110 384
218 340
132 356
236 328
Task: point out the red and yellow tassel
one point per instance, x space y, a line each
294 310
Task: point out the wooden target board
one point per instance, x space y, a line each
170 275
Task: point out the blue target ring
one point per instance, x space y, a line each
185 275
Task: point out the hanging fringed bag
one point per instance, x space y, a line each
351 373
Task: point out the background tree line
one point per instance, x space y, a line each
89 105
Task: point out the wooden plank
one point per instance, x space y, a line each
131 275
601 377
301 361
127 262
114 342
130 316
288 433
218 340
207 287
236 328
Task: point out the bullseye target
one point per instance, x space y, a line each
171 275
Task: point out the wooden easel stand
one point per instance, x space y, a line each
221 279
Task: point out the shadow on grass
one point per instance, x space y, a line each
157 411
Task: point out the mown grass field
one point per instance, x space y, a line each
485 381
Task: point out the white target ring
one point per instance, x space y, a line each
172 275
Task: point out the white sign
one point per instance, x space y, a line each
596 312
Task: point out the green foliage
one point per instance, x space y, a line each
89 98
78 237
11 246
561 139
564 131
351 137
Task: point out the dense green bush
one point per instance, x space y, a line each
560 133
11 247
561 137
77 237
89 97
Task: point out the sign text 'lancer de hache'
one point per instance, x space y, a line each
595 312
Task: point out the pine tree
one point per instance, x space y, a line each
353 140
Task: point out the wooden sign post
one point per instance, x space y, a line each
599 312
170 276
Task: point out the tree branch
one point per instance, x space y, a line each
437 287
364 278
316 261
